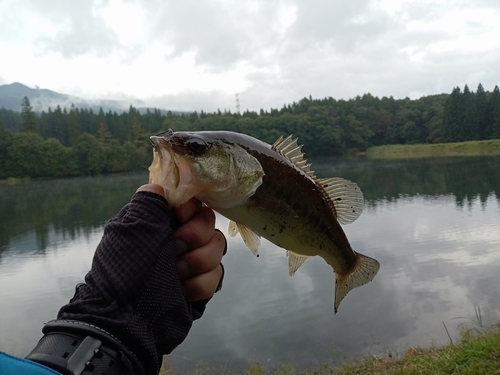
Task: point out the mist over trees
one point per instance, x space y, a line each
70 142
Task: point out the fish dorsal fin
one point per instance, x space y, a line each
289 148
294 261
251 239
344 197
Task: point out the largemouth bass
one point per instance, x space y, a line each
266 191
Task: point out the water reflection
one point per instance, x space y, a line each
69 207
463 177
426 277
434 225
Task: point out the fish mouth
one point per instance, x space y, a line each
162 139
170 169
163 169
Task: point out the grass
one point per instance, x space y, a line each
470 148
13 180
477 353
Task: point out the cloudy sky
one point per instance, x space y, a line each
188 54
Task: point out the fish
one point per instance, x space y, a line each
267 191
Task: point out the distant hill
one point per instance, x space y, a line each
41 99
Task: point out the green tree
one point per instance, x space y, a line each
5 143
116 157
104 135
28 117
132 157
26 156
384 122
140 139
73 129
359 133
469 130
483 123
495 100
11 120
57 161
88 154
452 120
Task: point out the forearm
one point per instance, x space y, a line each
133 290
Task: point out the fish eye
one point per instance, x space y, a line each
196 145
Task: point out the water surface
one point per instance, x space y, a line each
434 225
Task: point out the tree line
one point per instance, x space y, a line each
69 142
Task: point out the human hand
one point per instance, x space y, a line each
199 248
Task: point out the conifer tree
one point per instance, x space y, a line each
452 121
483 124
28 117
469 126
495 100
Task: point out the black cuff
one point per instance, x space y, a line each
76 348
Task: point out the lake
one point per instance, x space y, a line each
433 224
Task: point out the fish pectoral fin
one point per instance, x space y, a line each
364 271
274 205
294 261
345 196
232 230
251 239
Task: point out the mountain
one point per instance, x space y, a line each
41 99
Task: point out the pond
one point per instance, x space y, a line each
433 224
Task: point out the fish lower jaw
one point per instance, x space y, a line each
181 194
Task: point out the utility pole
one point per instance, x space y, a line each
238 103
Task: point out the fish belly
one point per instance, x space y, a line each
289 233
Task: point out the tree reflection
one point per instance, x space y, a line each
70 207
76 206
466 178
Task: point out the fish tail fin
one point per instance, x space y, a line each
363 272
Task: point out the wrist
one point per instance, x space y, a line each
77 348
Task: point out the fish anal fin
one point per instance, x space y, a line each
364 271
294 261
344 196
251 239
288 148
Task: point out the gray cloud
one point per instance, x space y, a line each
80 30
189 101
221 34
321 48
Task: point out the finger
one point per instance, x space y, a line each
202 286
196 232
187 210
152 188
225 241
202 259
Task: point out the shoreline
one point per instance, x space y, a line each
489 147
477 353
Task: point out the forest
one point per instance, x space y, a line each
71 141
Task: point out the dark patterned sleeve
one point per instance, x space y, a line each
133 290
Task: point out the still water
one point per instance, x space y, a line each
434 225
